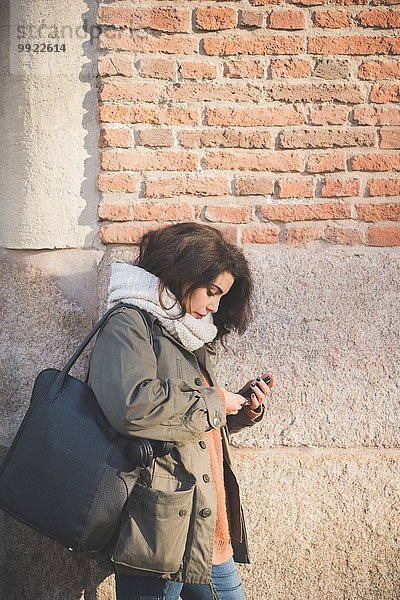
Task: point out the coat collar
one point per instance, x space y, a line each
201 353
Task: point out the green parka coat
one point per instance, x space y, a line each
153 388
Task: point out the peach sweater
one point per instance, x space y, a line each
222 543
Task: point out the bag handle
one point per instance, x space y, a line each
59 382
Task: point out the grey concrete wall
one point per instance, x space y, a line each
48 126
327 322
320 475
48 301
41 324
323 524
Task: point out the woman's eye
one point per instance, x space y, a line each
210 293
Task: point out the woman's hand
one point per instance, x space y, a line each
233 402
260 390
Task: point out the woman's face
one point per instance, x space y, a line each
206 299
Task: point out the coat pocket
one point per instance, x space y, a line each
155 532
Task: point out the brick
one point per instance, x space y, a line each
203 91
388 211
385 92
345 236
333 68
167 19
287 213
115 212
115 64
117 138
198 70
226 138
341 2
326 138
352 93
332 19
376 115
253 42
215 18
278 115
290 67
228 214
230 233
334 188
299 235
254 161
154 115
390 138
149 160
244 69
260 234
155 138
379 235
253 186
381 18
296 188
381 2
123 234
353 44
375 162
286 19
183 185
158 68
329 114
117 182
251 18
371 70
384 187
192 138
322 163
163 212
265 2
163 44
128 90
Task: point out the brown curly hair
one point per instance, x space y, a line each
188 256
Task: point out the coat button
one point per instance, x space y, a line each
182 512
216 422
198 381
202 444
206 478
205 512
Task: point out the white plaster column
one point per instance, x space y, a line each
48 125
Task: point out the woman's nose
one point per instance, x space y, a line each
213 305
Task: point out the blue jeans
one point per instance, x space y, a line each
225 585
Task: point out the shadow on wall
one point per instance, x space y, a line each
40 328
90 124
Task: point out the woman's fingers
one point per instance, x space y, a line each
260 393
254 403
272 378
260 389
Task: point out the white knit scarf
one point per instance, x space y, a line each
137 286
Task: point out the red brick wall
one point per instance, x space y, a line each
278 121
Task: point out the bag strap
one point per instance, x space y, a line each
60 381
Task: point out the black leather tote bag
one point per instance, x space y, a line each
68 473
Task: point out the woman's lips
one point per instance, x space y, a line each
199 316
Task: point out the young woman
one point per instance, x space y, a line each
151 373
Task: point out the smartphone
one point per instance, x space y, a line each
247 390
